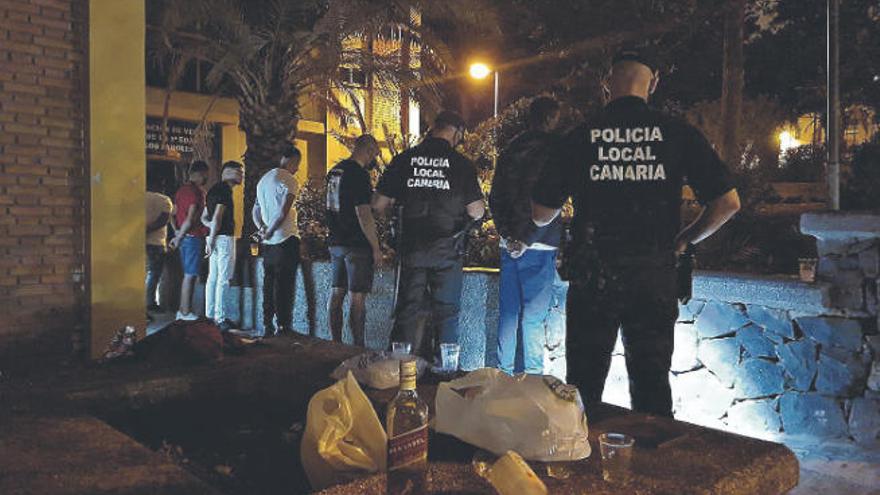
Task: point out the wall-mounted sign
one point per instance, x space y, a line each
181 134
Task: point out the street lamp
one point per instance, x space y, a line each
479 70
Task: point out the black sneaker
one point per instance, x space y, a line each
269 331
226 325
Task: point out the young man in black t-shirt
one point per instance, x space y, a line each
624 169
354 244
219 216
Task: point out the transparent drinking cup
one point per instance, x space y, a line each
449 354
617 452
401 348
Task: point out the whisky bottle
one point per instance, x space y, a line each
407 428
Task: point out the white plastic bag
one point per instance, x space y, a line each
376 369
539 417
343 439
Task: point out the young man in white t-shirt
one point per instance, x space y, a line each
275 217
158 212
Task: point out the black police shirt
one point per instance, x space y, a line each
434 183
624 169
221 194
348 186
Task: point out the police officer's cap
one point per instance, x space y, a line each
642 55
448 118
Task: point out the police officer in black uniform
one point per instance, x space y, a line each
440 196
624 169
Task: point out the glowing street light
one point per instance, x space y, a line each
479 70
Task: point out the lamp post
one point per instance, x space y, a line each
832 132
479 70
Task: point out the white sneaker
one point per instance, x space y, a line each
187 316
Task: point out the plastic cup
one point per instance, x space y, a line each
449 356
807 269
563 446
616 449
401 348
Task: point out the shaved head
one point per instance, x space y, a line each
630 78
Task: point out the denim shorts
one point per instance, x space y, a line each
192 249
352 268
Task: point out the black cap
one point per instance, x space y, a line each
641 55
448 118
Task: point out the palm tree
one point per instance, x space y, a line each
268 54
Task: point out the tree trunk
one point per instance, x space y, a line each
268 130
732 81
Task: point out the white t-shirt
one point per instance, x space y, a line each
272 190
157 204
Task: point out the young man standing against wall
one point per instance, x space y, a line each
354 245
275 217
528 253
158 213
190 233
219 216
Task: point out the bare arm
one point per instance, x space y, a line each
381 204
368 225
476 209
215 226
542 215
185 226
160 222
257 216
206 218
710 219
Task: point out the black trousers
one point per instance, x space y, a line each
640 300
155 263
430 285
279 282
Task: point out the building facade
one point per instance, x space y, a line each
78 124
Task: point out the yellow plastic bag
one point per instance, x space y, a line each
344 438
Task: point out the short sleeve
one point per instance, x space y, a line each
185 197
392 182
289 184
471 184
166 205
359 188
706 173
226 198
555 183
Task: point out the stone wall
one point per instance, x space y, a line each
771 356
766 356
765 371
43 186
478 319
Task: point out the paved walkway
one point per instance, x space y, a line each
832 468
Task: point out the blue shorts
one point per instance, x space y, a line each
352 268
192 249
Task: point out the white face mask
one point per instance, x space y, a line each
232 174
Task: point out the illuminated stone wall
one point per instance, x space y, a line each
773 356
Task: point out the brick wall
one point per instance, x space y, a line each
43 184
